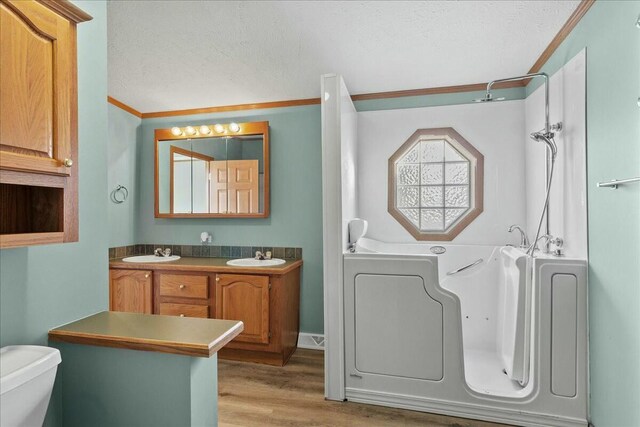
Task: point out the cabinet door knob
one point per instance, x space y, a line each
217 279
146 276
182 286
181 315
68 162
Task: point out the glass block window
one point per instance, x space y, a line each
435 184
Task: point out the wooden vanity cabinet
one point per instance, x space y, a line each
39 122
131 291
266 300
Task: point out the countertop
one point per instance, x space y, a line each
211 265
166 334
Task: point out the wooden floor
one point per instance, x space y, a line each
259 395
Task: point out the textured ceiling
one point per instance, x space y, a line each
168 55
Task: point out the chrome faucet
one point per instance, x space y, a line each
163 253
524 241
262 256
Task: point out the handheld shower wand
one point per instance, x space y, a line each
547 138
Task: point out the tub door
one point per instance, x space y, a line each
400 325
397 327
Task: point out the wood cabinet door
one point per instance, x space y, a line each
38 93
245 297
130 290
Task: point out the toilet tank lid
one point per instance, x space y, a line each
22 363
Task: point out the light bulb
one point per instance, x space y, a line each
190 130
234 127
205 130
218 128
176 131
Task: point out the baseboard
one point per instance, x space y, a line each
311 341
457 409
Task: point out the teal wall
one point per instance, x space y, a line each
45 286
296 197
613 151
123 133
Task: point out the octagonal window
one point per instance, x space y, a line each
435 184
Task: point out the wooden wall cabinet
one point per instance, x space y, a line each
38 123
131 291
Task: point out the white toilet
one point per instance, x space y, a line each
27 374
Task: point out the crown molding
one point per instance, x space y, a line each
124 106
434 91
239 107
67 9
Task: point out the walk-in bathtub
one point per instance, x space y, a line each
483 332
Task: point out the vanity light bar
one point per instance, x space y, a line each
205 130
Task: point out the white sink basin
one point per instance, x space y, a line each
252 262
151 258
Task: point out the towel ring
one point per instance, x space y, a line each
119 194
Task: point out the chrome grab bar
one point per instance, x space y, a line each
461 269
614 183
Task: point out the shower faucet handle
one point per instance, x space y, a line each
550 240
557 242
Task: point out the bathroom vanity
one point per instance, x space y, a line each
171 382
265 299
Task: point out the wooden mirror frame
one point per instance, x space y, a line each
247 128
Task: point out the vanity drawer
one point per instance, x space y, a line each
184 285
184 310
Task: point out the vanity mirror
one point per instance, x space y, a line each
210 171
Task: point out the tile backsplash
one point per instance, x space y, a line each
205 251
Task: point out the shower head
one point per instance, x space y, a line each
489 98
547 138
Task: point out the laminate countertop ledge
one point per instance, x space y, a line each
210 265
149 332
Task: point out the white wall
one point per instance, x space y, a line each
495 129
568 202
